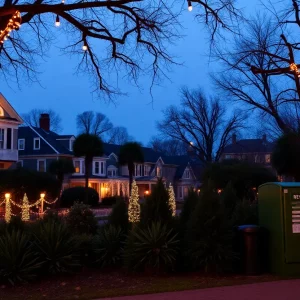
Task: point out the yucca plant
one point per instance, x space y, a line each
56 247
18 260
154 247
108 246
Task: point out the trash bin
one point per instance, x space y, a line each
249 249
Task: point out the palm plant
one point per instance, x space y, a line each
56 247
18 260
87 146
131 153
109 246
154 247
60 168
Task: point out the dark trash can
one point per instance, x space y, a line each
249 236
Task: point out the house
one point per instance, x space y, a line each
39 146
9 122
252 150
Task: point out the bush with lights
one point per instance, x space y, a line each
134 209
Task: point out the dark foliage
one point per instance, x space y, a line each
119 215
153 248
156 207
244 176
81 219
109 201
245 212
21 181
209 237
77 194
189 205
229 200
285 157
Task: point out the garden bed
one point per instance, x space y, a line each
92 284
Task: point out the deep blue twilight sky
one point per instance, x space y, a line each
69 94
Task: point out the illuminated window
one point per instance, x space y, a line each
1 112
267 158
77 166
21 144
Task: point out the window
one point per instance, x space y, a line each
1 138
36 144
186 174
77 166
21 144
102 167
112 171
8 138
41 165
1 112
96 167
139 170
146 170
158 172
267 158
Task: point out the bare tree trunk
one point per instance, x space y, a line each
130 172
87 174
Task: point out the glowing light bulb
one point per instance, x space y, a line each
42 195
84 47
57 22
7 195
190 7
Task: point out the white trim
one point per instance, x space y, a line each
113 154
44 140
34 140
100 163
81 165
37 166
10 110
19 144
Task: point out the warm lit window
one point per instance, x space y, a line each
77 166
21 144
41 166
267 158
36 143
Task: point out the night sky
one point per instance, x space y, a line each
69 94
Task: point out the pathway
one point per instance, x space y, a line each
276 290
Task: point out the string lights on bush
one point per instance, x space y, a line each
134 209
25 209
7 215
14 23
171 201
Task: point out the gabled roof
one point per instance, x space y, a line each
250 146
49 144
9 112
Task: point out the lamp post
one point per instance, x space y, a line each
7 216
42 202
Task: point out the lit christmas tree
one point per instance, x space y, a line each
134 206
7 216
172 202
25 209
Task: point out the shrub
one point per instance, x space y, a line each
51 216
245 213
56 247
77 194
15 223
155 248
20 181
108 246
189 205
229 199
18 260
81 219
209 237
156 207
109 201
119 215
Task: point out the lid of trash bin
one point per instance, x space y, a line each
249 228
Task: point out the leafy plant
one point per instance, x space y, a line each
81 219
56 247
189 205
18 260
109 246
156 207
245 212
119 215
229 199
154 247
209 237
15 223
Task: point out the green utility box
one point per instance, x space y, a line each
279 214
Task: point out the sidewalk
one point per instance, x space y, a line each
276 290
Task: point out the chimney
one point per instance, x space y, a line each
45 122
234 138
264 138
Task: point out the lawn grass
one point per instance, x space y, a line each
93 285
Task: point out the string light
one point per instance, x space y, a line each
25 209
84 47
294 67
171 201
57 22
7 216
63 1
134 209
190 7
13 24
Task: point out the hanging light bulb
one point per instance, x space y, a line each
57 22
84 47
63 1
190 7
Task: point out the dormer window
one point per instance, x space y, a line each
187 174
36 144
21 144
112 171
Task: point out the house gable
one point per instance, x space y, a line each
7 112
